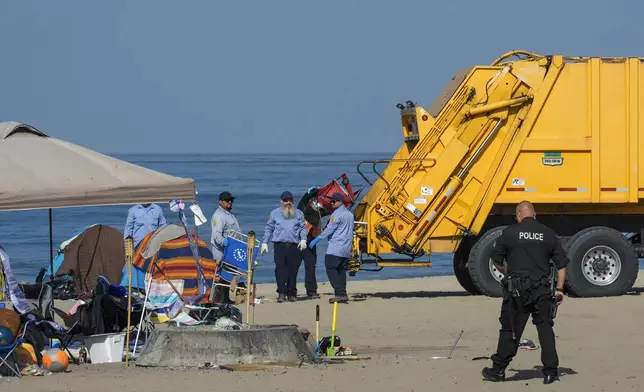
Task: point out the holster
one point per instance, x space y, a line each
520 291
513 286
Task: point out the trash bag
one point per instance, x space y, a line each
231 312
63 289
325 343
224 323
210 316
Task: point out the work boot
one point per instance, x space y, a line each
342 299
491 374
292 299
550 378
281 298
313 295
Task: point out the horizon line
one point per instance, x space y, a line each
245 153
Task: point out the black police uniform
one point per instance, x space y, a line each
528 248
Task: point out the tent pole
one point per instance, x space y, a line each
51 245
129 250
51 253
250 253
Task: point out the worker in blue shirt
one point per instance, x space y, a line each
287 230
339 232
143 219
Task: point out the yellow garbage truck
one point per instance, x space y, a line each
561 132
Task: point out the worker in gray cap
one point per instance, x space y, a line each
287 230
339 232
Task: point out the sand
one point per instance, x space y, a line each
401 324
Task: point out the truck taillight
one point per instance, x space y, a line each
425 117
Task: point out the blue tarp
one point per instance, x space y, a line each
138 277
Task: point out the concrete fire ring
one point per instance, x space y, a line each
197 346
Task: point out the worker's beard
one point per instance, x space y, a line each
288 211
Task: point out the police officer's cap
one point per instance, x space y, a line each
226 196
286 195
338 197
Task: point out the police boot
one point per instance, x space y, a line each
491 374
550 378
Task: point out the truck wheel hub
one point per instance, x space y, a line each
601 265
498 275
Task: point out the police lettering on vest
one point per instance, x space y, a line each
523 235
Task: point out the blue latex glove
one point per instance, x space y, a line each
226 241
315 241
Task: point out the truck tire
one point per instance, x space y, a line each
603 263
484 275
461 272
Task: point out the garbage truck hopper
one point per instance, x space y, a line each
561 132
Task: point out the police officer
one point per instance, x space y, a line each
223 221
339 231
287 230
528 247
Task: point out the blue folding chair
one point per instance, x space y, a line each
234 263
10 351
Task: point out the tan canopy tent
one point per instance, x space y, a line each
38 171
41 172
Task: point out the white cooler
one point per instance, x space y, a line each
105 348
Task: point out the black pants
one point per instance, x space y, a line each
336 271
517 316
310 257
287 262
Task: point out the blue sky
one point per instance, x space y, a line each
285 76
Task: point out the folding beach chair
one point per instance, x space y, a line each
42 325
104 313
165 304
232 271
10 351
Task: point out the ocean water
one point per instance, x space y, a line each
255 180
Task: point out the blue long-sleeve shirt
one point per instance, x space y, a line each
280 229
339 232
141 221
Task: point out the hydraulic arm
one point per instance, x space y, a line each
435 188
